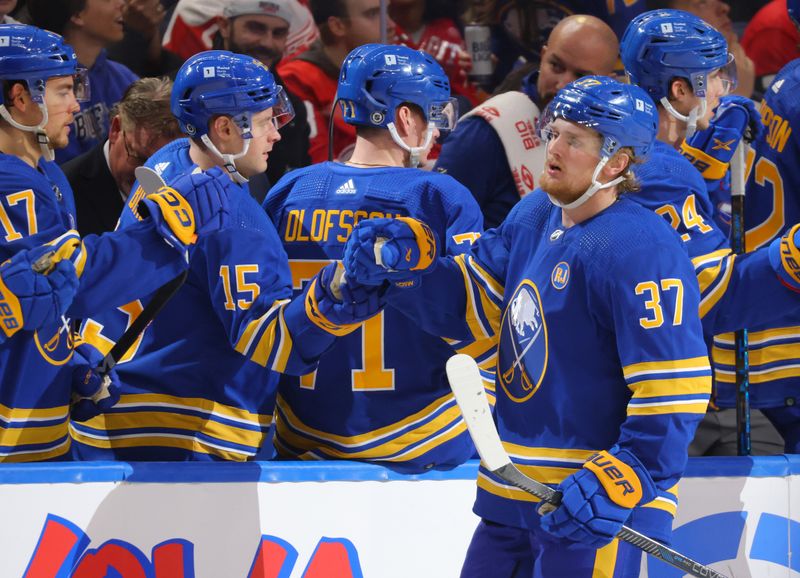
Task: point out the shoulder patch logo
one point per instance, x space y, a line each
776 86
161 167
347 188
523 349
560 275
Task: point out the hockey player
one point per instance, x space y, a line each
380 394
36 205
601 356
205 394
773 206
30 298
680 61
494 150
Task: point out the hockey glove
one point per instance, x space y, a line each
37 286
598 499
397 250
195 204
784 256
92 393
710 150
339 305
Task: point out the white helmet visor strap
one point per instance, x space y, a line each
41 135
691 120
229 160
415 153
596 186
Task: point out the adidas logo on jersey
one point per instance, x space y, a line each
348 188
777 86
161 167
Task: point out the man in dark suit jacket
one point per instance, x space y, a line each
102 177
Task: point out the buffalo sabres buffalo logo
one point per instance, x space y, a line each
522 358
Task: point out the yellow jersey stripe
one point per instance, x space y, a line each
709 300
661 387
642 369
691 406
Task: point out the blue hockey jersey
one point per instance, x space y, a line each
37 206
380 393
772 206
197 385
600 344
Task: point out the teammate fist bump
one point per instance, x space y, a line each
195 204
37 286
92 393
338 305
710 150
398 250
598 499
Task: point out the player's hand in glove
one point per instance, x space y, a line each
92 393
598 499
710 150
195 204
338 304
37 286
397 250
784 256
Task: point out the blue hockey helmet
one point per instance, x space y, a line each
623 114
34 55
218 82
661 45
377 78
793 8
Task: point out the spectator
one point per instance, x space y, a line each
102 178
428 26
89 26
772 41
343 25
195 23
260 29
6 8
494 151
715 12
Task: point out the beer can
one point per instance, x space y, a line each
479 45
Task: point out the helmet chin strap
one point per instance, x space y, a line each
38 130
596 186
415 153
691 120
229 160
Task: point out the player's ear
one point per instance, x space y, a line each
679 89
403 119
617 164
221 131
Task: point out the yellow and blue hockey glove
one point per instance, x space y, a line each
784 256
37 286
397 250
598 499
195 204
338 305
710 150
92 393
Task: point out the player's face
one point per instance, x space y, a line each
567 58
258 35
265 135
129 147
59 98
363 23
573 152
102 20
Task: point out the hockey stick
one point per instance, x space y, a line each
740 339
467 386
150 181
